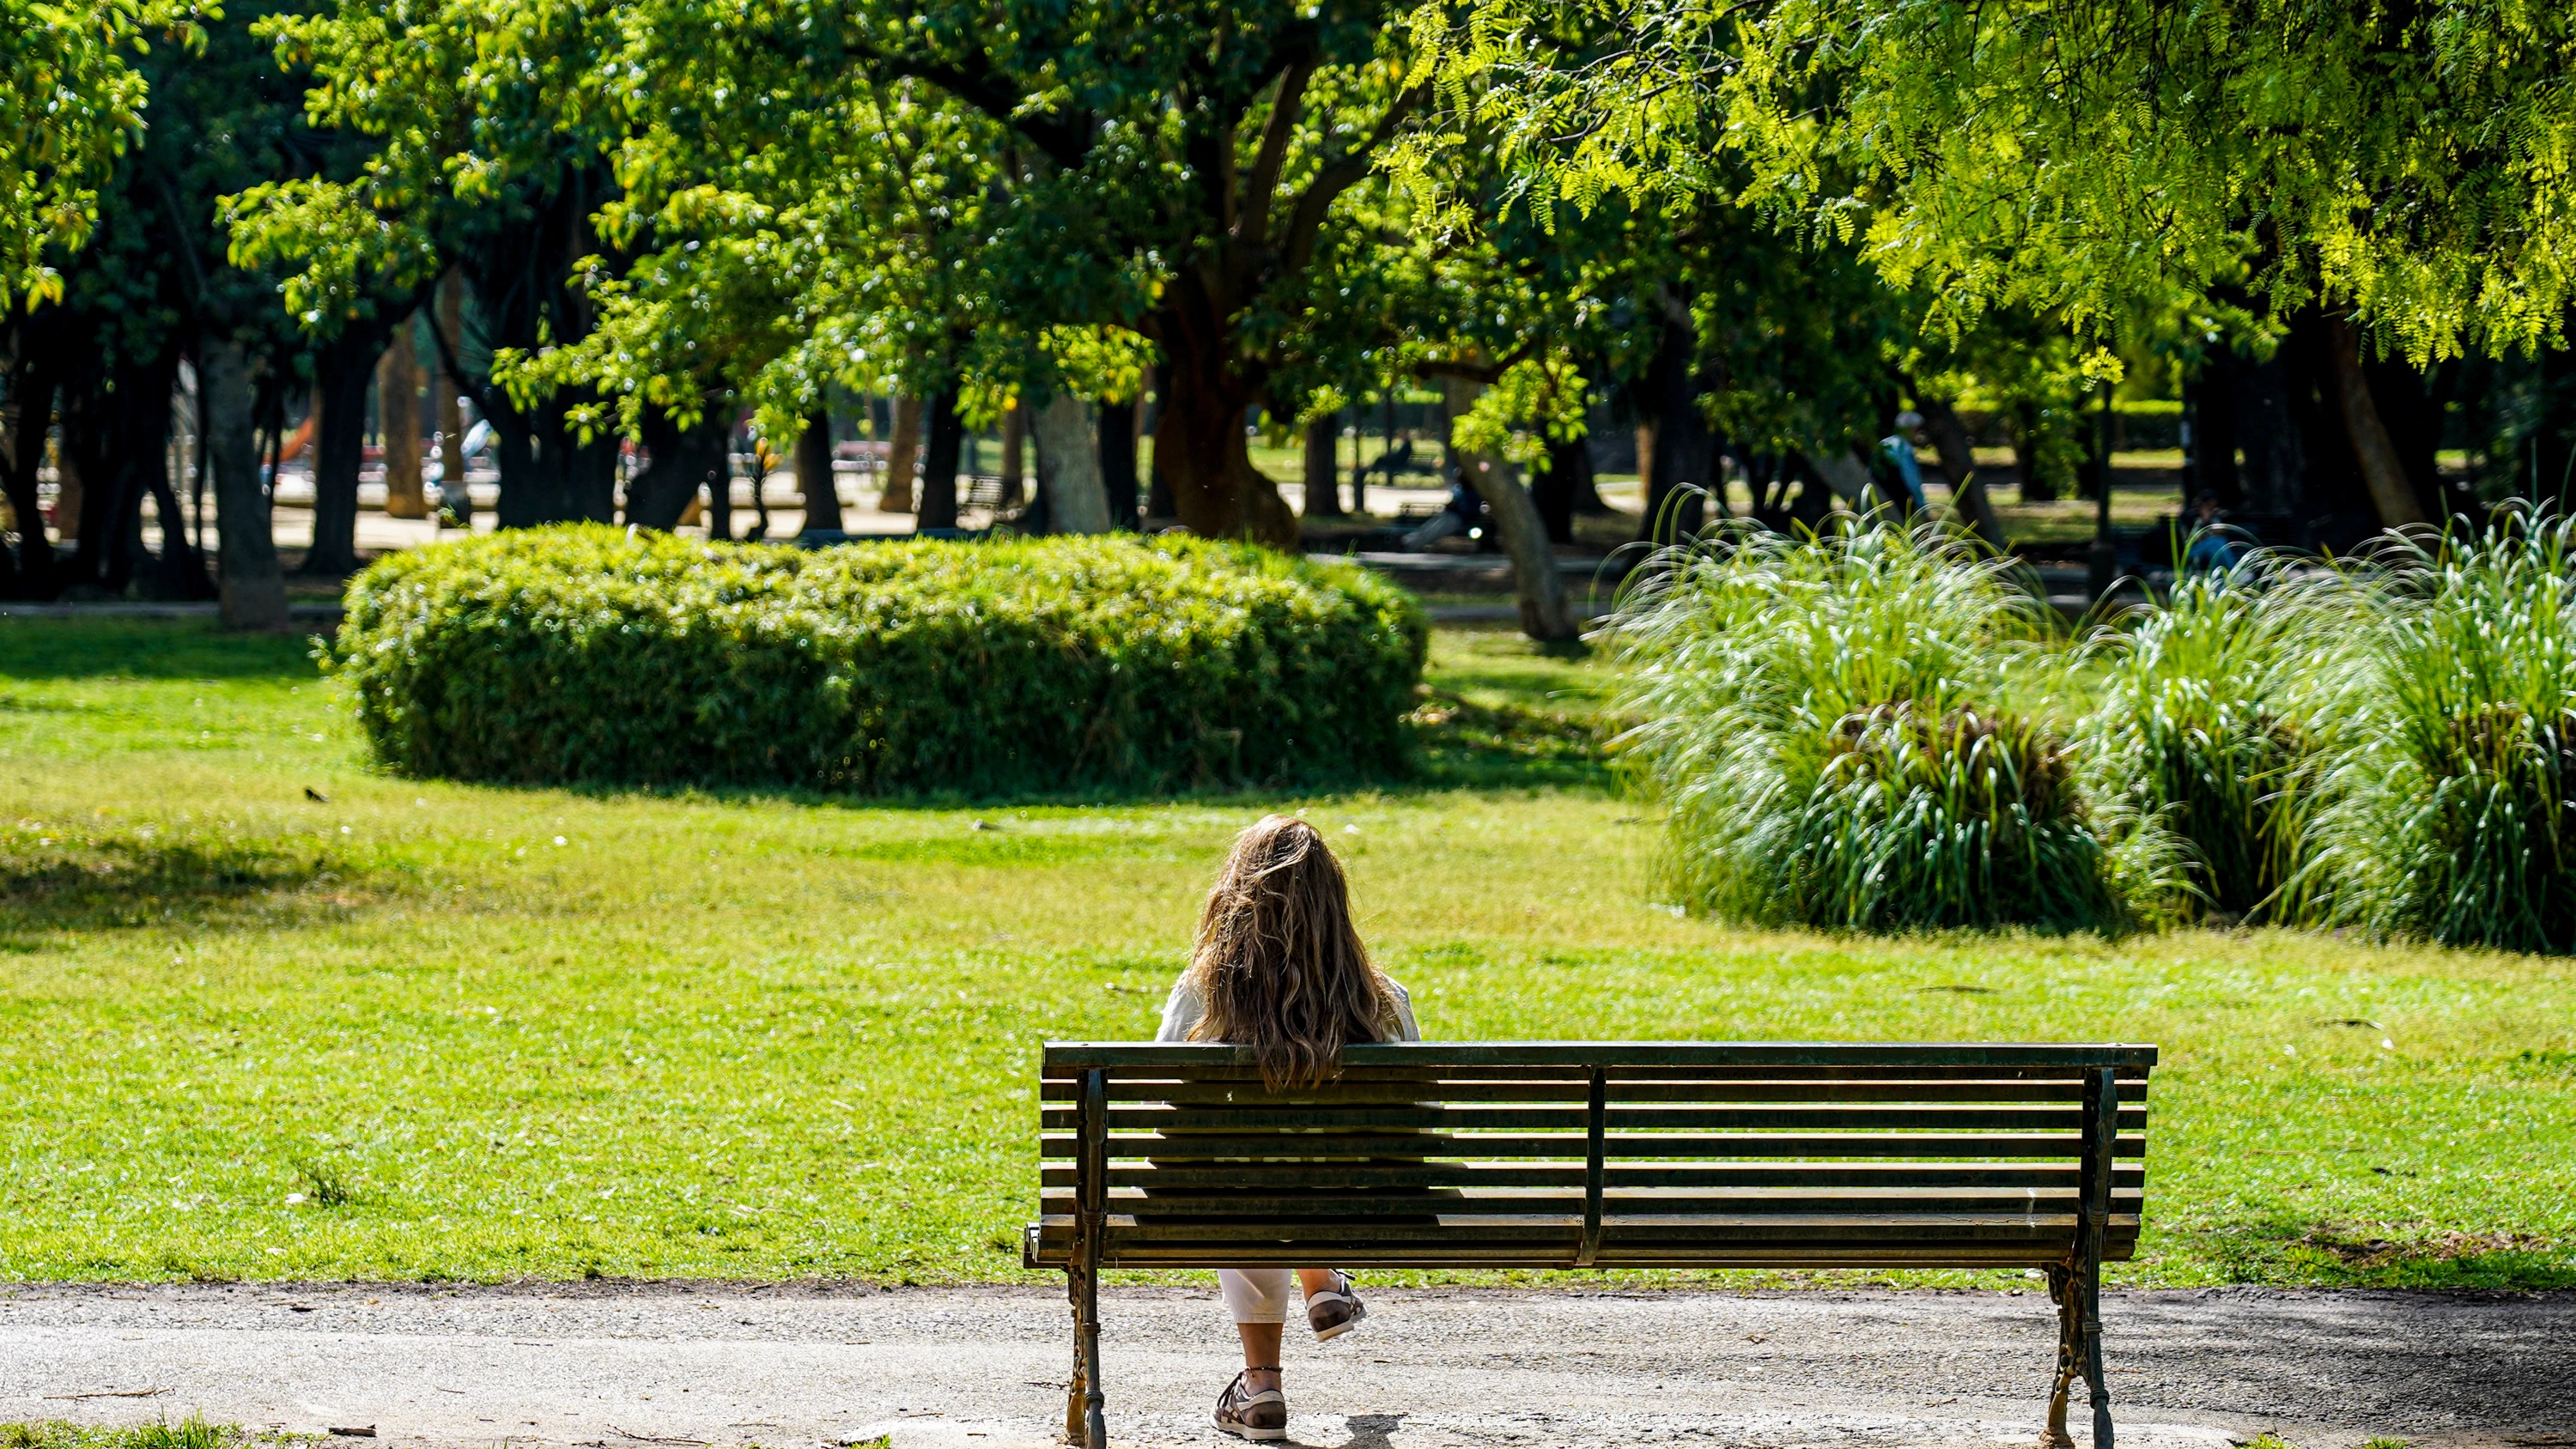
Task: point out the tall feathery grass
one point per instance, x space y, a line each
2450 809
1831 726
2213 710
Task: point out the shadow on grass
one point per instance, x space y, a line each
2343 1256
101 882
149 649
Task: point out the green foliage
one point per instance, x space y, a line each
2453 810
191 1432
586 655
73 103
2100 158
1826 724
2201 731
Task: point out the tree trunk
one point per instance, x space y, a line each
2036 485
1645 451
1848 476
346 366
901 448
1069 467
1323 467
1559 491
1201 451
1118 461
31 406
116 438
252 589
398 421
822 494
1538 586
2382 472
2210 410
1015 433
1959 462
947 437
678 462
447 412
1681 477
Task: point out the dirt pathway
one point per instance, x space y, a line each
627 1365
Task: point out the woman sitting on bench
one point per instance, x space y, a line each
1278 967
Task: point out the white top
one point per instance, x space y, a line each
1181 1012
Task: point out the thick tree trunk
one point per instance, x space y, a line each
1681 478
1015 432
346 367
1201 451
1559 491
1959 463
31 404
116 439
548 475
1323 467
2382 472
903 447
947 438
1645 451
398 422
1539 588
1069 467
252 589
2036 484
1118 461
1848 476
678 462
822 494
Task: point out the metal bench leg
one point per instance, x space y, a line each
1076 1392
2069 1352
2089 1291
1095 1427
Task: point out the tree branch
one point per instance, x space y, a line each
1065 139
1342 175
1276 133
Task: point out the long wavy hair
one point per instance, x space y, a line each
1278 962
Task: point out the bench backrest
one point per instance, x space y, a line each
1574 1154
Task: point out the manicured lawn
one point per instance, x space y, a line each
493 1033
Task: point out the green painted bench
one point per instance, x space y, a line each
1598 1155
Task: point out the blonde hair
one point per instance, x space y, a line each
1278 962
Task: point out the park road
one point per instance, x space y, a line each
621 1365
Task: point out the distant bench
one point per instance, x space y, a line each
1598 1155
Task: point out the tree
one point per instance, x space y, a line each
73 104
2374 175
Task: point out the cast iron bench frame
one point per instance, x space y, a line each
1598 1155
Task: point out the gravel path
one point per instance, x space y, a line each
624 1365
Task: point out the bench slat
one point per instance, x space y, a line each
1062 1057
1302 1147
1868 1117
1429 1070
2041 1175
1630 1204
1571 1089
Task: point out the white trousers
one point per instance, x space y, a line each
1257 1295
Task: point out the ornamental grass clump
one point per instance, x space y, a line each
581 654
1830 726
2203 731
2453 815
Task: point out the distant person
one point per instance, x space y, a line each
1463 513
1899 448
1278 967
2208 551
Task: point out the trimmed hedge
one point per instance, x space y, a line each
581 654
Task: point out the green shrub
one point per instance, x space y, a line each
2203 729
1826 725
2453 810
582 654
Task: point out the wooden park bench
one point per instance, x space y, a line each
1598 1155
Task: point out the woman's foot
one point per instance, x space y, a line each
1249 1415
1337 1310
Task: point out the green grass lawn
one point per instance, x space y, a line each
411 1030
